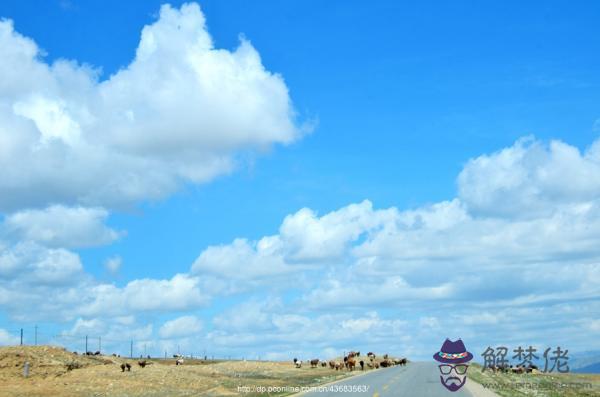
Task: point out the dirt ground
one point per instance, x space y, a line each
101 376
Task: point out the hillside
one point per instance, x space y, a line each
57 372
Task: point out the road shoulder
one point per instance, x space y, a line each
356 374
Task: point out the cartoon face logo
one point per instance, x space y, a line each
453 357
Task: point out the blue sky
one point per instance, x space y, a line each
419 109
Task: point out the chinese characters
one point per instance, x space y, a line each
524 359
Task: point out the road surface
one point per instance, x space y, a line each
416 379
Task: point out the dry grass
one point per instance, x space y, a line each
102 376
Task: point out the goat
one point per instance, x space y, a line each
350 364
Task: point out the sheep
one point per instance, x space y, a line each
298 364
179 361
143 363
338 366
125 365
332 364
323 364
362 365
314 363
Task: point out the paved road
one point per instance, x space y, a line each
414 380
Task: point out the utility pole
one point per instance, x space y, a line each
100 344
21 336
131 350
86 344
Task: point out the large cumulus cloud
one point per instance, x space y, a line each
178 113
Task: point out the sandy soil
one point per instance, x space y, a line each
101 376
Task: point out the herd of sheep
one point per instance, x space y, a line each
350 362
353 359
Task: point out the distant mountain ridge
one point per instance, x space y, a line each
589 369
585 362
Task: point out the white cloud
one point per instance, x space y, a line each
7 339
530 179
34 264
181 292
249 315
113 264
305 241
457 267
178 113
243 260
268 326
308 237
180 327
59 226
113 334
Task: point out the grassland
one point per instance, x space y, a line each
537 384
101 376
